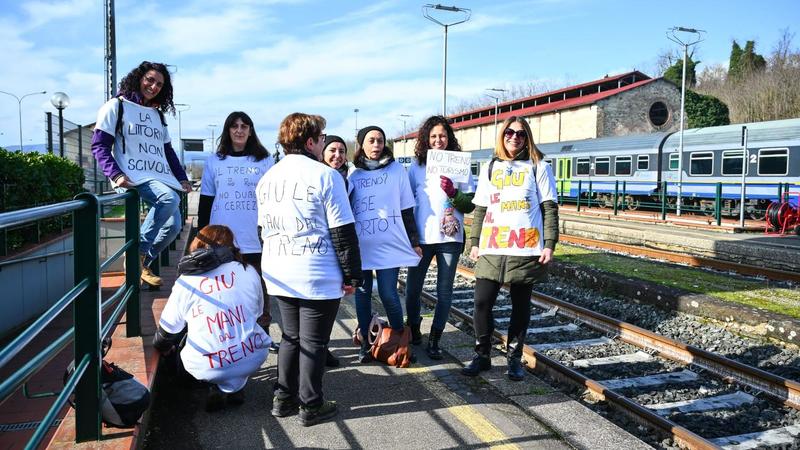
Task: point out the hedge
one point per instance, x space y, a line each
35 179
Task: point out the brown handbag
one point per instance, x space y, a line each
392 348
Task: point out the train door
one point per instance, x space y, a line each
563 176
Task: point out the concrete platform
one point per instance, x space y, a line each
757 249
430 405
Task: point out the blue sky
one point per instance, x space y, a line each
273 57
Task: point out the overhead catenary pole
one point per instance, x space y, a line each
405 138
744 173
110 52
180 135
672 35
467 13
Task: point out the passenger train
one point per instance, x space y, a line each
712 157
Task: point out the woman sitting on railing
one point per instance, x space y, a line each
133 149
212 314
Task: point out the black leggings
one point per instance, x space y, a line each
485 296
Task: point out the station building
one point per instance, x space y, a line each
630 103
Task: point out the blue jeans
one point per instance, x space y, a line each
446 263
163 221
387 289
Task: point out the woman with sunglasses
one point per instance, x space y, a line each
133 149
228 191
439 213
383 206
514 234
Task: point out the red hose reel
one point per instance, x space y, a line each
784 216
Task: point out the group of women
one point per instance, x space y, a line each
318 228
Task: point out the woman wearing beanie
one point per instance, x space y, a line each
439 214
311 258
228 190
335 155
383 206
514 234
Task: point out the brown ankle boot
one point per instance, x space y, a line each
148 276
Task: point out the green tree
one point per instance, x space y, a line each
705 111
674 72
734 64
744 61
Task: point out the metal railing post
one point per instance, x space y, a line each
663 200
87 319
133 265
718 205
578 198
616 195
624 195
589 198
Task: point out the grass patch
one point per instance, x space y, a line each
755 293
539 390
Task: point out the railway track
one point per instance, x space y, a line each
682 258
700 399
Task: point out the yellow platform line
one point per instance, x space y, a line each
484 430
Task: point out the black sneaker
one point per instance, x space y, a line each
215 399
315 415
284 408
330 360
236 398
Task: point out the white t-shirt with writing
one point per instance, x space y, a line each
143 159
433 205
378 197
513 222
232 182
224 344
299 201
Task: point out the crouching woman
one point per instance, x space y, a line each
215 303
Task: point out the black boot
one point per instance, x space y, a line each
515 370
434 352
416 334
364 355
330 360
482 361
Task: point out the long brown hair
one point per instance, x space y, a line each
500 151
423 138
217 235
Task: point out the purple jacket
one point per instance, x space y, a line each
103 143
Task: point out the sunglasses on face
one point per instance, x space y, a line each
509 133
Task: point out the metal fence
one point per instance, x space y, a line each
77 148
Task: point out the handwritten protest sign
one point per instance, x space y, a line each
453 165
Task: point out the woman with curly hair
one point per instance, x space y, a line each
134 150
439 214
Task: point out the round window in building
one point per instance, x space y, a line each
658 114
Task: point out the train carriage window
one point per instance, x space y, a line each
701 163
673 161
582 166
642 162
602 165
732 162
622 165
773 161
475 169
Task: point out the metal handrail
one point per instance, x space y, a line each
88 328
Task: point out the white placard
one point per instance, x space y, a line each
453 165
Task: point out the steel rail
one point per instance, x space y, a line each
691 260
537 362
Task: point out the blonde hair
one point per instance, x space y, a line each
500 151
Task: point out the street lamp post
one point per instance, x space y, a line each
356 135
180 136
672 35
19 105
211 127
60 100
496 102
403 118
466 14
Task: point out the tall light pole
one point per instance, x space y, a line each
672 35
211 127
60 100
180 136
466 14
403 118
356 135
496 102
19 105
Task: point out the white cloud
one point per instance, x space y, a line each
41 12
